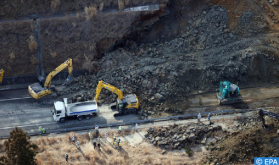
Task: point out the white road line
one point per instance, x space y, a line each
26 125
16 99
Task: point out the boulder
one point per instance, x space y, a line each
192 138
158 138
163 152
162 142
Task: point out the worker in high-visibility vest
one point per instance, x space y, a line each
119 129
119 146
89 135
115 144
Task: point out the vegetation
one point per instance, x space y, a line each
189 151
120 4
18 149
90 12
32 43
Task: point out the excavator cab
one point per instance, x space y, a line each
229 93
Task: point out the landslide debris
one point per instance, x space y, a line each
248 141
164 73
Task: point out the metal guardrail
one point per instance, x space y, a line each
180 117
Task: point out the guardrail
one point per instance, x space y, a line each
180 117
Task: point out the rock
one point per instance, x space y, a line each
163 152
167 146
278 132
203 141
192 138
158 138
162 142
79 99
158 96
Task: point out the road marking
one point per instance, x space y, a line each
16 99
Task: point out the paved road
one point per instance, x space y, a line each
30 120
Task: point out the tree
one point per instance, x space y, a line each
19 149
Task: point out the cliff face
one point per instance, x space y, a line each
79 36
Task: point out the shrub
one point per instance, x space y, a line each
101 6
53 54
34 60
90 12
54 4
12 56
189 151
32 43
120 5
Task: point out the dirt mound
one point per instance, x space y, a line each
242 147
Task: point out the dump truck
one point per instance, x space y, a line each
79 110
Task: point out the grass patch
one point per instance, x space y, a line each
101 7
121 5
90 12
189 151
54 4
32 43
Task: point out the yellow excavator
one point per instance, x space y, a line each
1 75
124 104
39 90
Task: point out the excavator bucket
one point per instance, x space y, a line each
68 81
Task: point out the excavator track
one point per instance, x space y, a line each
235 101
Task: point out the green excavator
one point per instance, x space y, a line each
229 93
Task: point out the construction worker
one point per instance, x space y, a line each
136 127
114 137
199 117
97 129
106 136
66 156
114 143
119 129
73 139
89 135
118 141
77 144
99 146
119 146
208 117
94 144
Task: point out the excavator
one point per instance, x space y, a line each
264 113
229 93
1 75
41 89
124 104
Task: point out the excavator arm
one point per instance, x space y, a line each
66 64
1 75
108 87
264 113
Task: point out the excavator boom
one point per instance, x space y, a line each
108 87
61 67
264 113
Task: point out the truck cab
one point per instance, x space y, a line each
59 111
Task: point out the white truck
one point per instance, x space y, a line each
86 109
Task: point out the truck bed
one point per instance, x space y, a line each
82 108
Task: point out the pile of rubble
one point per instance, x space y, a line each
163 74
248 140
179 136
